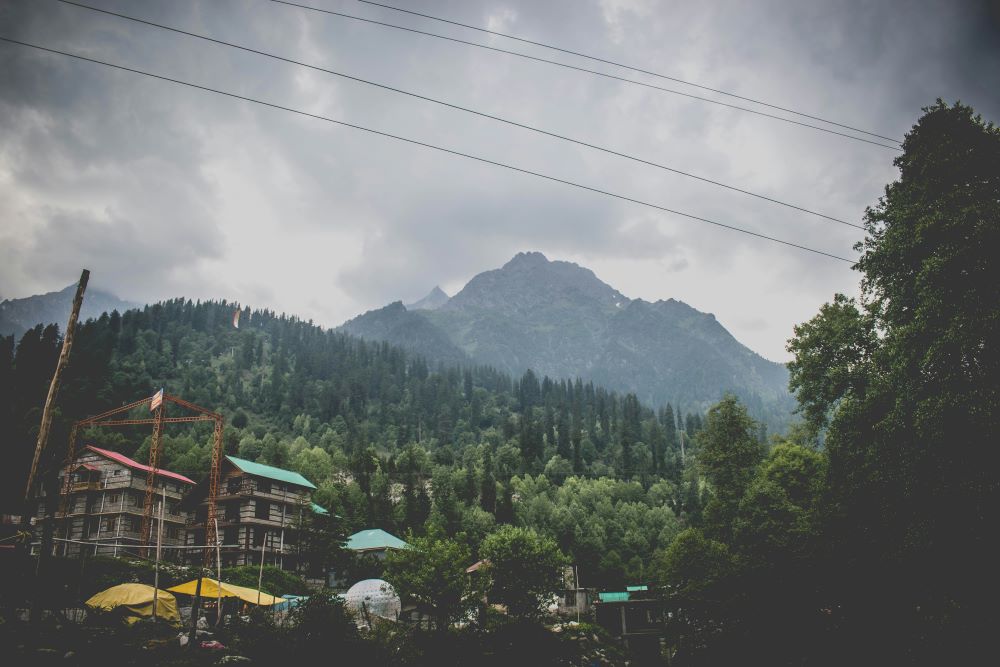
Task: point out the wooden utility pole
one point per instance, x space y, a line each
260 575
218 574
159 543
43 439
46 426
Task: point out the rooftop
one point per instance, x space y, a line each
374 539
135 465
278 474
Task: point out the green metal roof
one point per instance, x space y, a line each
613 596
374 538
271 472
319 509
633 589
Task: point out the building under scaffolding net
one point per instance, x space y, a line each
104 502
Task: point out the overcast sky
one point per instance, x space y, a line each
166 191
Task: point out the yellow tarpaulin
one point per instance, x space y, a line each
210 589
137 599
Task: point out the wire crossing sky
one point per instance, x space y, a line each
584 69
164 190
467 110
631 67
434 147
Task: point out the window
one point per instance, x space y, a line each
262 509
231 535
264 486
113 497
173 532
233 485
233 512
258 536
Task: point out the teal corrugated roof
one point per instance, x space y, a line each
613 596
633 589
374 538
319 509
271 472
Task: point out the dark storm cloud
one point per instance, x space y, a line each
163 190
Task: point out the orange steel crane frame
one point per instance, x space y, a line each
157 421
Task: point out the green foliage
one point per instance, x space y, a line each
908 382
432 574
779 515
830 351
524 570
601 524
728 454
694 565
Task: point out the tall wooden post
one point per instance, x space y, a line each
46 425
45 548
218 574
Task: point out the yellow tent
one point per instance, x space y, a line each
137 599
210 589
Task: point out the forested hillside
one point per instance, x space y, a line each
390 441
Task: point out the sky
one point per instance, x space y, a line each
163 190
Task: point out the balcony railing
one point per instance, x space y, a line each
77 487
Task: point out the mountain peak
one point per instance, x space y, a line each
527 259
559 319
531 283
436 298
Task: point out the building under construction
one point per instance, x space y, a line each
104 499
261 510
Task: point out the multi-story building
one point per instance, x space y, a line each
104 508
258 506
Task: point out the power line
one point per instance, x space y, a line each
630 67
583 69
441 149
500 119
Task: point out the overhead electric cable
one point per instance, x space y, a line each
441 149
630 67
584 69
465 109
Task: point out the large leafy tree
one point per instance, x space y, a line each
908 381
432 574
524 570
728 455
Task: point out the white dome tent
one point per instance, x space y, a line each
373 597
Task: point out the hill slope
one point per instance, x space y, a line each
19 315
560 320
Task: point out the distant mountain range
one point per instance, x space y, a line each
560 320
19 315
